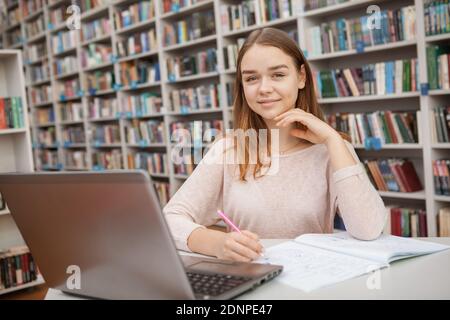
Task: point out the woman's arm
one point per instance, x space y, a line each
194 206
351 191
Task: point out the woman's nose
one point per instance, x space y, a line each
266 85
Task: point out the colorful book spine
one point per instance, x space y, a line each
441 177
133 73
68 89
197 98
188 65
103 108
35 27
95 29
145 132
72 111
440 124
36 52
40 72
11 113
198 25
153 163
390 77
47 137
99 80
163 191
436 17
41 94
65 65
389 127
73 134
96 54
395 175
134 13
444 222
251 12
137 43
317 4
107 160
141 105
44 116
17 267
47 159
105 134
406 222
356 33
64 40
76 159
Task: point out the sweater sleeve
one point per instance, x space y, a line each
357 201
195 204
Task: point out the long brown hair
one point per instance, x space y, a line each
244 117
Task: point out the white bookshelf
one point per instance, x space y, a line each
15 148
421 153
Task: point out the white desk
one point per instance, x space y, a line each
425 277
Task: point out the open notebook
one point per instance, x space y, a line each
312 261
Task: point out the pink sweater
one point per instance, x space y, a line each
302 197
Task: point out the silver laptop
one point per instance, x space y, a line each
103 235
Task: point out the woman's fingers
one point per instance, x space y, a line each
237 257
290 112
251 234
244 251
293 118
251 240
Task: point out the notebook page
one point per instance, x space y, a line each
385 249
308 268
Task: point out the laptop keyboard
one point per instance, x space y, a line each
214 284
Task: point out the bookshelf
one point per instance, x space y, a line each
88 154
15 148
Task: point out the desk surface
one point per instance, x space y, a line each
424 277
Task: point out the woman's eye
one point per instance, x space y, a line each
279 75
250 79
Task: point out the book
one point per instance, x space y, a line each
354 33
163 192
436 16
17 267
312 261
406 222
395 175
444 222
11 113
47 159
441 177
107 160
76 159
73 134
153 163
373 79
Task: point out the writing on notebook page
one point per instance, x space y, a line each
312 261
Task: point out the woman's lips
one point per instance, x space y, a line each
268 103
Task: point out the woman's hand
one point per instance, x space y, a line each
236 246
316 130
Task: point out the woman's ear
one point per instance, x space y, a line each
302 77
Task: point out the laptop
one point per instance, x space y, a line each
103 235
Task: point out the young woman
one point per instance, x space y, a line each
318 172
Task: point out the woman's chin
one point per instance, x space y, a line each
270 114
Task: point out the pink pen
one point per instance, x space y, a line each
228 221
